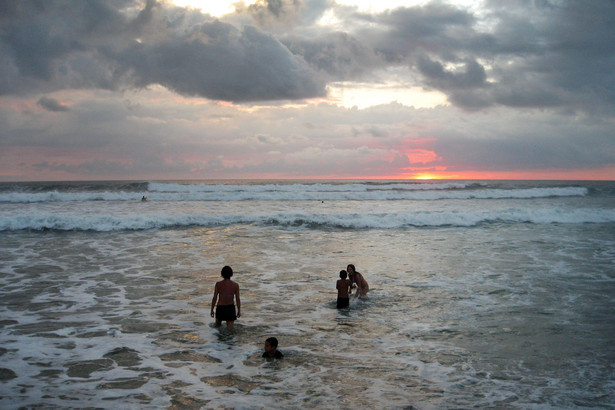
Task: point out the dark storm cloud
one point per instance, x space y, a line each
536 54
528 54
540 54
556 53
112 45
339 55
233 65
471 76
51 104
49 45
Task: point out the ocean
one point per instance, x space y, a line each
483 294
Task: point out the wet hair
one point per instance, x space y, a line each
273 342
343 274
227 272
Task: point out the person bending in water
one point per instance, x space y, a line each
224 292
357 279
343 290
271 349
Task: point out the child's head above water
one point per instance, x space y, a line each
271 344
227 272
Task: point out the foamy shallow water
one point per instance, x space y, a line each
490 294
500 316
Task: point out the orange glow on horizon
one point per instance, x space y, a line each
605 174
441 173
426 176
421 156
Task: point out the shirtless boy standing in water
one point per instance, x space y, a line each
343 290
224 292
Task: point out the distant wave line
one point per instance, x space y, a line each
105 223
313 187
298 195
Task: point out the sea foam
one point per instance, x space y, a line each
177 192
398 220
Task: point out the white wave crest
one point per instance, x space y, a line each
316 192
103 223
292 187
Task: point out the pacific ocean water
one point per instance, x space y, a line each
484 294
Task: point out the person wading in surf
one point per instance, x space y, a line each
357 280
343 290
224 292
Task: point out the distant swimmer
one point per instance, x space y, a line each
224 292
357 279
144 198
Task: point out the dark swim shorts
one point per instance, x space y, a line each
343 302
226 313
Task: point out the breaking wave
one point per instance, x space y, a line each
291 192
103 223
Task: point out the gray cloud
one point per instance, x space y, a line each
534 81
510 139
472 75
283 15
273 11
529 53
233 65
104 139
534 54
51 104
140 167
339 55
98 44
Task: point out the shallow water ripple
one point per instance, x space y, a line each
500 316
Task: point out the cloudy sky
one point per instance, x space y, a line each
135 89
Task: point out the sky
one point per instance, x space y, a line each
289 89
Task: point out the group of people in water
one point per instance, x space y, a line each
350 278
226 297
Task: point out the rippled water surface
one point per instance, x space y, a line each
497 314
